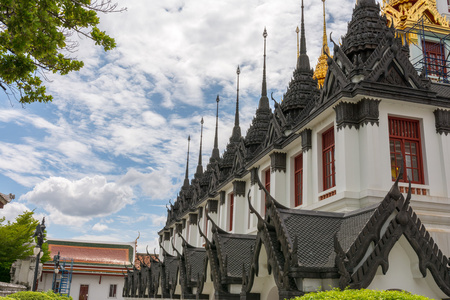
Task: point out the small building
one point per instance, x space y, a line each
98 267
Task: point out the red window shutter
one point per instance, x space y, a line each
298 177
267 186
230 228
434 56
405 145
329 173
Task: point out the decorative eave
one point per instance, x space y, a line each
358 270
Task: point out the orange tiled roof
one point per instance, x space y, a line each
93 253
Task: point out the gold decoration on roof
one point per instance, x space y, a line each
406 13
322 66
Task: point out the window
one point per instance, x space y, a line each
112 290
434 56
329 173
267 180
405 143
298 177
231 207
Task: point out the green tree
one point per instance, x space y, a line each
362 294
17 242
35 38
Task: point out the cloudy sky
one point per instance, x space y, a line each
102 160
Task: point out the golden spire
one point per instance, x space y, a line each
324 38
298 49
322 67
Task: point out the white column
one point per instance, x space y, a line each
347 160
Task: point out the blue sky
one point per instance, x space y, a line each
103 159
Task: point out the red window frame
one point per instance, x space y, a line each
434 54
206 222
298 177
231 206
112 290
405 144
328 160
267 186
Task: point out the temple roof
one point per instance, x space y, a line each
257 132
236 251
195 262
365 30
302 87
93 253
315 233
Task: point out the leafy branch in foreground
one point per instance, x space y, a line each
35 38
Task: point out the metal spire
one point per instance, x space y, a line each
264 101
199 166
215 152
237 130
264 85
236 116
303 59
186 179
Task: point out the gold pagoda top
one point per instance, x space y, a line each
321 68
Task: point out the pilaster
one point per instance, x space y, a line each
278 178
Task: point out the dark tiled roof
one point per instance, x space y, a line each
155 271
195 259
442 89
237 249
171 264
352 225
315 233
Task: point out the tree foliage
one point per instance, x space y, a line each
17 242
362 294
36 37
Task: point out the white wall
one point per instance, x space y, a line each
403 273
97 291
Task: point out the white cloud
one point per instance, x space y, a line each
12 210
99 227
83 199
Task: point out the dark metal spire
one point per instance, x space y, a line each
186 178
264 101
236 130
303 59
215 153
199 166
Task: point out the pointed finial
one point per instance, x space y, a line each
236 116
236 129
186 178
303 60
264 85
298 42
215 152
199 166
325 48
